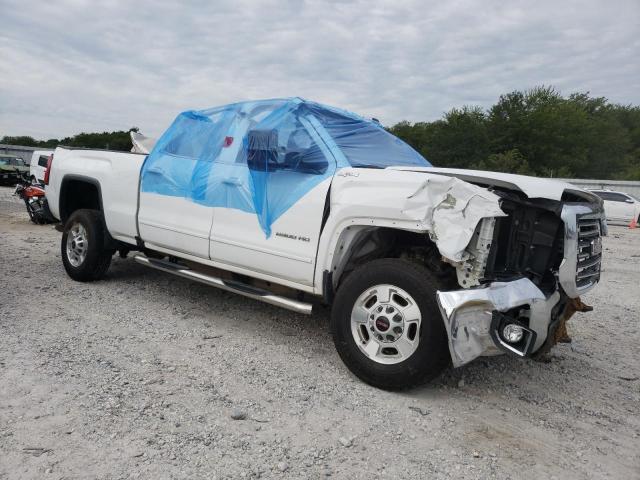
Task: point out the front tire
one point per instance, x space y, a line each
30 211
84 255
387 326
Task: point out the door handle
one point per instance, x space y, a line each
236 182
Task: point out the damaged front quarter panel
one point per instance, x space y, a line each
450 210
460 218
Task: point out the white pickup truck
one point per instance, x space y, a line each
294 203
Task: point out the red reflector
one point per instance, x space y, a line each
48 170
228 141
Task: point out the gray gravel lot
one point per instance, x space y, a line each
141 375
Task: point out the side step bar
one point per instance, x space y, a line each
230 286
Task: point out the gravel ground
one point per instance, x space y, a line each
143 375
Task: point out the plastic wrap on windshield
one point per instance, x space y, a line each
262 157
365 142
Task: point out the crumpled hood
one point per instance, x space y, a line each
450 209
532 187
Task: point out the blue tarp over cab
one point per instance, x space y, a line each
263 156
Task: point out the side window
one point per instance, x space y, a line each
287 148
617 197
196 139
42 161
611 196
302 154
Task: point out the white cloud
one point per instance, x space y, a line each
74 66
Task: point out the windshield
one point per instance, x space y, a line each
365 143
4 161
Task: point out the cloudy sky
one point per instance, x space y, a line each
71 65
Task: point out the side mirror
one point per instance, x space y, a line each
262 150
629 200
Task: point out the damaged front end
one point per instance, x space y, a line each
522 275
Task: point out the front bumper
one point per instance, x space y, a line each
473 317
470 317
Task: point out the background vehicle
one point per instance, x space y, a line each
619 207
33 195
38 165
11 169
291 202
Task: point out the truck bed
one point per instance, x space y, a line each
114 174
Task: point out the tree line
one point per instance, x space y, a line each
535 132
119 140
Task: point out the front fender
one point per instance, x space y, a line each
445 208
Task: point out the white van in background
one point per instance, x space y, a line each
619 207
38 165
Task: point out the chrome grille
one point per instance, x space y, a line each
589 252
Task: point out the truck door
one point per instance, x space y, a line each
174 223
289 171
175 212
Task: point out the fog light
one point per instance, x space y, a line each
512 333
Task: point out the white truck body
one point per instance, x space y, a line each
232 240
478 227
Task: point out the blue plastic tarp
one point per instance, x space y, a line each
263 156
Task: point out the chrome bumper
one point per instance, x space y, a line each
468 316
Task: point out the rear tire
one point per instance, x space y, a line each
32 216
411 344
84 255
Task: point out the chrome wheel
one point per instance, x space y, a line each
385 324
77 244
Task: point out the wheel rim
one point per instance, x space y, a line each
77 244
385 324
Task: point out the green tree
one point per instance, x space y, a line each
510 161
458 140
20 140
538 132
119 140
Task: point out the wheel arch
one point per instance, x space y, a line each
358 243
79 192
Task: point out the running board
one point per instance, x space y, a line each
230 286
